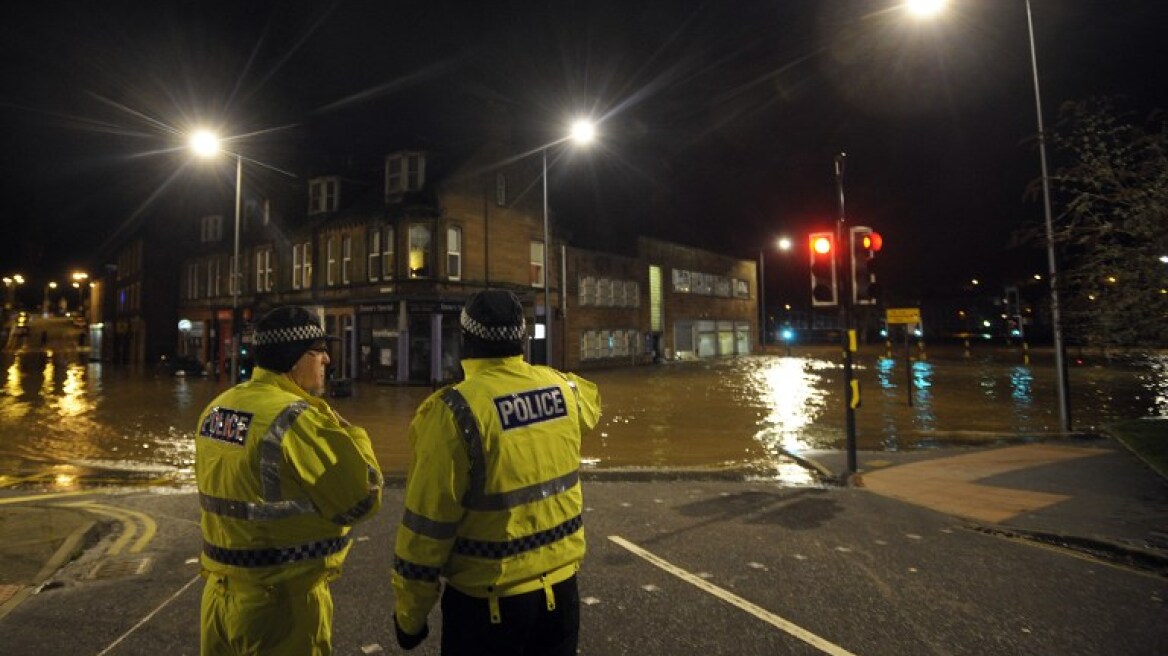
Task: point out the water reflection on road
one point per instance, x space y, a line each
66 422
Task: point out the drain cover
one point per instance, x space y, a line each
122 567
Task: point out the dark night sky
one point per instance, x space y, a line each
720 119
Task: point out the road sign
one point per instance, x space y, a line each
903 315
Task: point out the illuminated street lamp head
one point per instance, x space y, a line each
583 131
925 8
204 143
784 243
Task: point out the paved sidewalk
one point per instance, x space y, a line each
1090 494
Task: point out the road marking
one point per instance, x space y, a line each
148 617
43 497
126 517
733 599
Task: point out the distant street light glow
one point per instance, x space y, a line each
925 8
204 143
784 243
583 131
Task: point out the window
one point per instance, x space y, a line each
454 253
266 212
211 228
323 195
587 290
721 286
388 248
536 264
500 189
605 292
263 268
301 266
419 251
404 172
346 257
330 251
213 277
373 247
633 293
741 289
193 280
681 281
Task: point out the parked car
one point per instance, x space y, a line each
181 365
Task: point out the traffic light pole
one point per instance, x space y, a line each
843 267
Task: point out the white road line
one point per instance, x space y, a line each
149 615
733 599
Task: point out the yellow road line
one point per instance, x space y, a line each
733 599
43 497
149 527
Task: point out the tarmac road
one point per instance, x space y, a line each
714 565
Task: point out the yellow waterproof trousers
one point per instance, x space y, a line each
244 619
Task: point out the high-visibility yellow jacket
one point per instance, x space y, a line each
281 479
493 501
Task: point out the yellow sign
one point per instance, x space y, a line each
903 315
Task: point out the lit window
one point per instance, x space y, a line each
388 247
419 251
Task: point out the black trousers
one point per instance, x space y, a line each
528 628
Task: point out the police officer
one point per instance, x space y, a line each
493 502
281 479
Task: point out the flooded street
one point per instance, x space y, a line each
66 422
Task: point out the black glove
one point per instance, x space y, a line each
407 641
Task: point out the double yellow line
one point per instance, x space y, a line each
129 525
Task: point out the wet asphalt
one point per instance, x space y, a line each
896 562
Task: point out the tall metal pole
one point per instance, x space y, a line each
845 291
547 300
1056 323
235 271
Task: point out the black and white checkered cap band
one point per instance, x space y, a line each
512 333
288 335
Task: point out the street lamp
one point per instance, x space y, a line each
45 308
206 144
927 8
79 278
10 285
582 132
784 244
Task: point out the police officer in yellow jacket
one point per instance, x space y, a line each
281 479
493 502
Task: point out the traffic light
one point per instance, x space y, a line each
823 282
865 244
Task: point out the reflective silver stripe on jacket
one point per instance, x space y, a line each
248 510
429 527
271 453
464 417
476 497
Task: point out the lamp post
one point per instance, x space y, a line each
206 144
45 306
10 285
930 7
582 132
784 244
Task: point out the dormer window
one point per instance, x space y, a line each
323 195
404 172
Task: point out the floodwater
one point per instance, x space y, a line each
67 423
